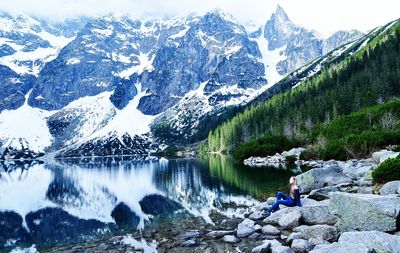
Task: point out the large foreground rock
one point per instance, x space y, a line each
290 220
363 242
325 232
330 174
376 240
317 214
392 187
365 211
341 248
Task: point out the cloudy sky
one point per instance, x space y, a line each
325 16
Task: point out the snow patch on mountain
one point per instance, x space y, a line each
25 124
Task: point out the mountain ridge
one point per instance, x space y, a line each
181 72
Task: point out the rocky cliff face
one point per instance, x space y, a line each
298 45
116 85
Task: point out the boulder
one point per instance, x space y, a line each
256 216
293 236
230 239
190 234
340 248
293 152
245 228
381 156
374 240
325 232
271 200
290 219
317 241
273 219
366 190
357 169
270 230
219 233
254 236
317 214
281 249
365 211
257 228
189 243
301 246
392 187
262 206
330 174
263 248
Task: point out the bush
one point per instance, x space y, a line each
291 159
264 146
310 154
387 171
334 150
396 148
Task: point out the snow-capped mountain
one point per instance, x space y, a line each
118 85
290 46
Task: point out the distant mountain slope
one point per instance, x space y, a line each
354 76
115 85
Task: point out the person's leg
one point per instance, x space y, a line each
286 202
281 195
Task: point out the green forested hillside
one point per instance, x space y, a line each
368 77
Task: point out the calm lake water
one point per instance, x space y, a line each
48 194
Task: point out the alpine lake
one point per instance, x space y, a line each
58 205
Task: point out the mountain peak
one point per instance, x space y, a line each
281 14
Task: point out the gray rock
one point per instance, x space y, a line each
392 187
317 214
271 200
262 206
189 243
357 169
189 234
376 240
255 216
281 249
274 217
219 233
325 232
245 228
254 236
301 246
330 174
290 220
341 248
317 241
293 236
270 230
263 248
257 228
381 156
365 211
366 190
230 239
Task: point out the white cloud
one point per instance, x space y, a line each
325 16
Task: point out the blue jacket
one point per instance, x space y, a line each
297 197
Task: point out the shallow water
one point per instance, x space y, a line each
90 189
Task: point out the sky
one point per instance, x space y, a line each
324 16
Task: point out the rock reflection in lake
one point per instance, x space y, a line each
75 199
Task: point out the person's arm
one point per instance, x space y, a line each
297 194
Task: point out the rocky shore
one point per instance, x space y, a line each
342 211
